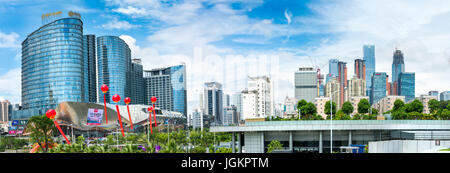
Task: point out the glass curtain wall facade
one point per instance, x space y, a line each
213 101
333 69
369 60
378 87
90 69
178 80
398 65
406 86
52 65
137 82
114 63
169 86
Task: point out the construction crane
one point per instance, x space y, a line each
319 76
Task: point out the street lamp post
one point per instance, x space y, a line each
331 119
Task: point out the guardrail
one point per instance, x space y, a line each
349 122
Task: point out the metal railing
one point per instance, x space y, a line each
350 122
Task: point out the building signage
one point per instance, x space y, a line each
51 14
15 122
74 14
94 116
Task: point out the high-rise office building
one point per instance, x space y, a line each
434 93
388 86
398 65
333 87
226 100
444 96
342 78
321 85
169 86
356 87
52 63
306 84
407 85
360 69
213 101
5 109
137 82
369 60
230 116
113 64
197 119
236 100
332 69
257 100
90 69
378 87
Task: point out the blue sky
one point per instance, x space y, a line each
214 38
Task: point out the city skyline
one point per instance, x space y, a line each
165 36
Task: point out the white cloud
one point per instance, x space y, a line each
9 40
11 78
288 16
120 25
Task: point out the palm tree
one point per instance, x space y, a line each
172 147
41 129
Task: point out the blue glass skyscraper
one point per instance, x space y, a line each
113 64
137 82
407 85
369 60
378 87
178 79
90 69
398 65
333 69
169 86
52 63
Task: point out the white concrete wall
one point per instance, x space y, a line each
407 146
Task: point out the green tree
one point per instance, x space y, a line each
363 106
374 111
445 114
414 116
340 115
308 111
224 150
369 117
274 145
398 104
433 105
198 149
41 130
414 106
172 147
357 117
300 105
327 108
347 108
399 114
